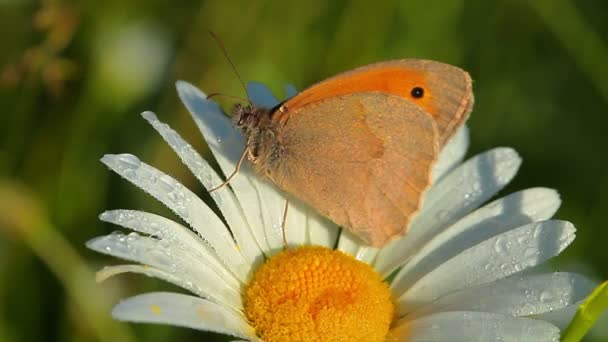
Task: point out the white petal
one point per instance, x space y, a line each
223 139
367 254
495 258
272 204
225 200
111 271
260 95
475 326
290 91
227 146
350 244
457 193
296 233
504 214
184 203
321 231
170 259
563 317
466 187
172 235
182 310
560 318
514 296
453 153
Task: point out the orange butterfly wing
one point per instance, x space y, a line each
359 147
447 90
363 160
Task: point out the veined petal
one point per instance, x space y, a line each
184 203
296 233
172 260
492 259
510 212
452 154
474 326
457 193
182 310
227 146
272 204
111 271
172 234
225 200
519 295
472 183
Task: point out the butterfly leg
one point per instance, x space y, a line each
283 223
251 157
245 153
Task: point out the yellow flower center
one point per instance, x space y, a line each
318 294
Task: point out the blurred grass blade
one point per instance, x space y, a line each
24 217
583 43
586 315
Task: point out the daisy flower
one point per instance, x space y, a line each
465 271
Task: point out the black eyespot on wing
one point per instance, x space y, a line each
417 92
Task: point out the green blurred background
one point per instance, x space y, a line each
74 77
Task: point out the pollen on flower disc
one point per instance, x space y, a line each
318 294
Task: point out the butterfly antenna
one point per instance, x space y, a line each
225 52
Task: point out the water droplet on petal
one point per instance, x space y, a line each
129 160
546 296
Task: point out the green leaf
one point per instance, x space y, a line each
586 315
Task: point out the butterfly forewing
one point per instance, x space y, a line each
441 90
362 159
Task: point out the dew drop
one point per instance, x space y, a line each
166 183
132 236
537 231
129 160
530 252
501 245
183 212
546 296
115 234
522 239
435 332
